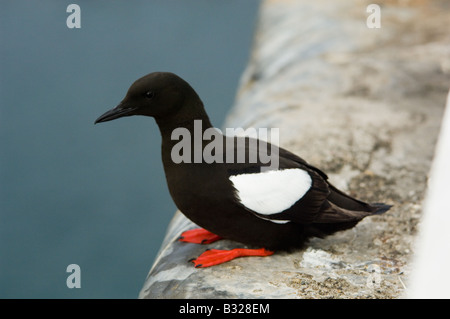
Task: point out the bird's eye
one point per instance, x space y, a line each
149 94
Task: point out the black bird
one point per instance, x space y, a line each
244 199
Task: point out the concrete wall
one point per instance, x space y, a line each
431 263
364 105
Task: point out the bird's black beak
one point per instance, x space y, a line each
120 110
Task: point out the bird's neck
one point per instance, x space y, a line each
184 129
183 142
188 119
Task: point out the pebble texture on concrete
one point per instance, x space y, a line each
365 106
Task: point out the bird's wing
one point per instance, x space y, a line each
293 191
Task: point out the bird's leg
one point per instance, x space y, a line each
198 236
214 257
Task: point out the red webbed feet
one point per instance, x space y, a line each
214 257
198 236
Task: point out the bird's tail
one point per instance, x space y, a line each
342 208
341 211
380 208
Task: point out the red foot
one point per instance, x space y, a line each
215 256
199 236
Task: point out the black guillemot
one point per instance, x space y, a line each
244 199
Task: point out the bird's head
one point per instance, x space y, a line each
159 95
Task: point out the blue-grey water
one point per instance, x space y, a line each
96 196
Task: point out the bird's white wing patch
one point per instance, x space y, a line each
271 192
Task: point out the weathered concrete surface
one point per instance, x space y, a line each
364 105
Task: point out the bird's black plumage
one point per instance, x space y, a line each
220 196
